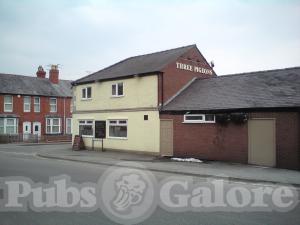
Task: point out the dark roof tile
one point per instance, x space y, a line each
142 64
26 85
262 89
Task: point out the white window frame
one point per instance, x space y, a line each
9 103
116 85
51 126
5 125
66 126
53 104
86 122
85 91
118 124
36 104
198 121
26 103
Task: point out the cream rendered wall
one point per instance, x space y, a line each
141 135
138 92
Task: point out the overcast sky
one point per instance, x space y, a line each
85 36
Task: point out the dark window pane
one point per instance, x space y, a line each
194 117
113 90
118 131
209 117
120 88
85 130
89 92
145 117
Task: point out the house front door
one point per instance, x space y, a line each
26 130
37 129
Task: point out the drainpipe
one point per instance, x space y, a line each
64 132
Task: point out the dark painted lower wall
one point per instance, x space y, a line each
230 142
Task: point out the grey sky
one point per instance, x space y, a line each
84 35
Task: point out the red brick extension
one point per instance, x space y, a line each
230 143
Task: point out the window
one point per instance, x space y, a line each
8 103
8 126
199 118
37 104
86 93
118 128
27 103
68 126
86 127
117 90
53 105
53 125
145 117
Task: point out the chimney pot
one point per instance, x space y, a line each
40 72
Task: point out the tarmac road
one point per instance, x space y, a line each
24 162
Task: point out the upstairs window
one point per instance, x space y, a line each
8 103
117 90
53 105
27 103
86 93
37 104
199 118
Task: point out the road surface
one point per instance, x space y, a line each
22 161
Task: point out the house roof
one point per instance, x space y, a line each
263 89
26 85
142 64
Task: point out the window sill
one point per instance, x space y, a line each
118 138
198 122
86 99
87 136
117 96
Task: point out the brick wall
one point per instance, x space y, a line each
230 143
18 109
174 79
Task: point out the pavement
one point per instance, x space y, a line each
206 169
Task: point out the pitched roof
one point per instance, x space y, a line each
26 85
262 89
142 64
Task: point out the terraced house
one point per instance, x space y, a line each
124 99
36 108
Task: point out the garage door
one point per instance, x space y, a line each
262 150
166 137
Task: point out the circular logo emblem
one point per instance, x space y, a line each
127 194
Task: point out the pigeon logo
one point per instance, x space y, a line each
127 195
130 190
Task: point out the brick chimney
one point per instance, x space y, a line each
53 74
40 72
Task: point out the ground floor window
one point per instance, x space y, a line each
8 125
86 127
117 128
199 118
68 126
53 125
